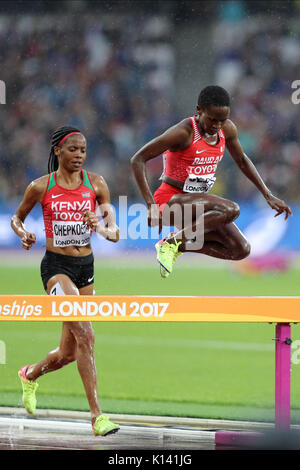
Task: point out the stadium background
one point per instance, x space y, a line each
123 72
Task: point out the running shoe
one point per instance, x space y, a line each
29 389
103 426
167 254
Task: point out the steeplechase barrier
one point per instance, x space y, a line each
283 311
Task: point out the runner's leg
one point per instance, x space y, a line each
217 211
222 239
85 339
77 344
66 352
227 242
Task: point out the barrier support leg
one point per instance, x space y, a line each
282 393
283 376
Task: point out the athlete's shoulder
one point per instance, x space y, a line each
39 185
229 129
97 180
95 177
101 187
36 189
185 126
179 135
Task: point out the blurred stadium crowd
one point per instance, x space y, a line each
115 78
257 61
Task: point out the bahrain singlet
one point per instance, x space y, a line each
196 165
63 212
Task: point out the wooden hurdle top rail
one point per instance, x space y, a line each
134 308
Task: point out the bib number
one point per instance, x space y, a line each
70 234
198 184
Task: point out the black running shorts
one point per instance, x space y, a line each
80 269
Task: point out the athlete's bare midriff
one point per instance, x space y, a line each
68 250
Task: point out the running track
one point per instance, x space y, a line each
64 430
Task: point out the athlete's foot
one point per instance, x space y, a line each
103 426
29 389
167 254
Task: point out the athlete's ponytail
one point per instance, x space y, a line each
56 139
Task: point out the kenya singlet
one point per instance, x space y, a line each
196 165
63 212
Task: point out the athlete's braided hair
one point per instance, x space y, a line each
213 95
56 137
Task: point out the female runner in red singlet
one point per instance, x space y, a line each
192 150
68 196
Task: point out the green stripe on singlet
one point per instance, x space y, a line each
86 181
51 181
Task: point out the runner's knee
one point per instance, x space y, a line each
233 211
243 251
61 285
61 357
66 358
84 336
247 249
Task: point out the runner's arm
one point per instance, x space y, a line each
110 229
32 195
248 168
173 138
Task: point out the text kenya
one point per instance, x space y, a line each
76 206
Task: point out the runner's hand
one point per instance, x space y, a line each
154 217
279 206
91 219
28 240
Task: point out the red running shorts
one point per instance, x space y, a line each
163 194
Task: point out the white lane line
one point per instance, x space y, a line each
21 424
185 343
169 342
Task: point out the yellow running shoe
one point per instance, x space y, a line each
167 254
103 426
29 389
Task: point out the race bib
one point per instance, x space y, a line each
198 184
67 233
